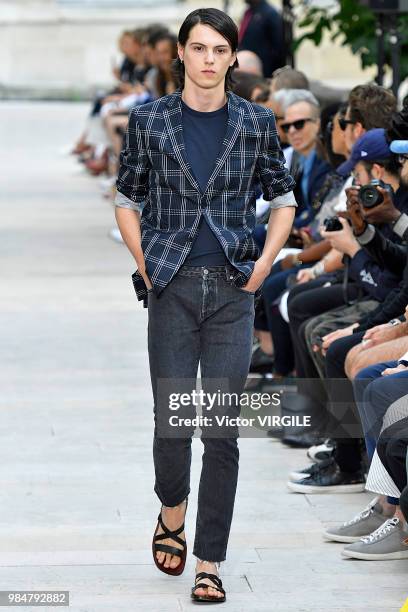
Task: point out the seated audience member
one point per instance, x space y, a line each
116 118
378 531
369 106
288 78
161 46
302 126
165 52
371 158
289 266
134 66
148 40
127 74
248 61
387 254
250 86
279 102
378 326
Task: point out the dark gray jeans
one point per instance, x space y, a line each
200 317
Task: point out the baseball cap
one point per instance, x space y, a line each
371 146
399 146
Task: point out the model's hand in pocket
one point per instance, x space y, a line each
260 272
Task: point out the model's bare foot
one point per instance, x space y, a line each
210 568
173 518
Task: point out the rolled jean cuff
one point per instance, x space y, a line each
217 563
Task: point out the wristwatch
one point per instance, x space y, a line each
394 322
403 362
296 260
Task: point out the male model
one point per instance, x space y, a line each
186 210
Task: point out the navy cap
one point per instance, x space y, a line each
371 146
399 146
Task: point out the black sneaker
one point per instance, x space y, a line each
312 470
261 362
330 480
305 439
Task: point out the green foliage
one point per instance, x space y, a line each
352 25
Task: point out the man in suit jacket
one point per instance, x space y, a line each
261 31
185 207
302 126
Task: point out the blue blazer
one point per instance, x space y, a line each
155 177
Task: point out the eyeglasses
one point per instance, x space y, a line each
298 125
343 123
402 159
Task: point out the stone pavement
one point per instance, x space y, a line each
77 507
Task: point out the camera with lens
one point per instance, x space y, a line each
369 195
332 224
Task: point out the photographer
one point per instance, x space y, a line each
368 277
387 254
377 280
385 325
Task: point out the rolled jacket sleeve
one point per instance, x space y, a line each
276 182
132 185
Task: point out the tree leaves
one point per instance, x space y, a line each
351 25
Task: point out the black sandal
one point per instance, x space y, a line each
174 535
208 598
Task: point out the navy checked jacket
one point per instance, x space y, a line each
155 178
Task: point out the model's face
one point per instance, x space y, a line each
207 56
164 54
302 140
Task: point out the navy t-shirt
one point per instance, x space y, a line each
203 135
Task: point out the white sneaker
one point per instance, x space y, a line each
115 234
107 183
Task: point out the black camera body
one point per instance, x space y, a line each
369 195
332 224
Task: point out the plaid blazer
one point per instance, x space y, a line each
156 179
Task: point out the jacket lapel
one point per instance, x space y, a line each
173 121
174 126
234 126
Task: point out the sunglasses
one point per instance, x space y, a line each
298 125
402 159
343 123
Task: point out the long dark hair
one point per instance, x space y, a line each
222 23
162 78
